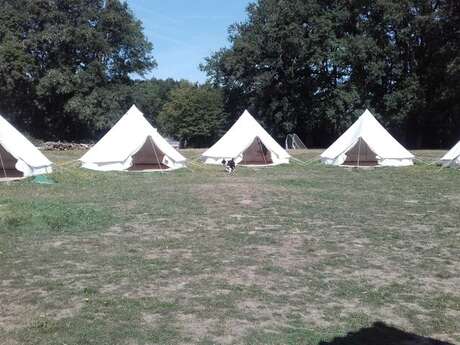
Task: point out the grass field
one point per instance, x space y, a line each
284 255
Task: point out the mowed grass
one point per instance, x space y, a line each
284 255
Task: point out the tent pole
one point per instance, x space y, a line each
155 151
359 151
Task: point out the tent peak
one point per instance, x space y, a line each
246 113
367 113
134 111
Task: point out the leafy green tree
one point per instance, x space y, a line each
151 95
65 65
193 114
312 66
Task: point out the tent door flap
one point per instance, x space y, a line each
361 155
149 157
8 165
256 154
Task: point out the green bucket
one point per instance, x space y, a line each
42 179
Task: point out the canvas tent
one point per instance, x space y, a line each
18 156
367 143
452 158
248 144
133 145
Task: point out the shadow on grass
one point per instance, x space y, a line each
381 334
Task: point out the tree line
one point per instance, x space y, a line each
70 68
312 66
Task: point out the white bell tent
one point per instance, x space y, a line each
248 144
134 145
367 143
452 158
18 156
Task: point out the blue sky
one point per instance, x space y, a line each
184 32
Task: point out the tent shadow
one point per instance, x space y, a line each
381 334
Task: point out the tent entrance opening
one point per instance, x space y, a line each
256 154
8 165
361 155
149 157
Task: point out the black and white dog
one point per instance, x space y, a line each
229 165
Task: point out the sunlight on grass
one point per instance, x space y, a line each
286 255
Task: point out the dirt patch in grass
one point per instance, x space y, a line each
230 331
151 319
378 277
67 311
20 306
15 315
194 327
174 254
230 195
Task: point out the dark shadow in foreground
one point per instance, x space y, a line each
381 334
